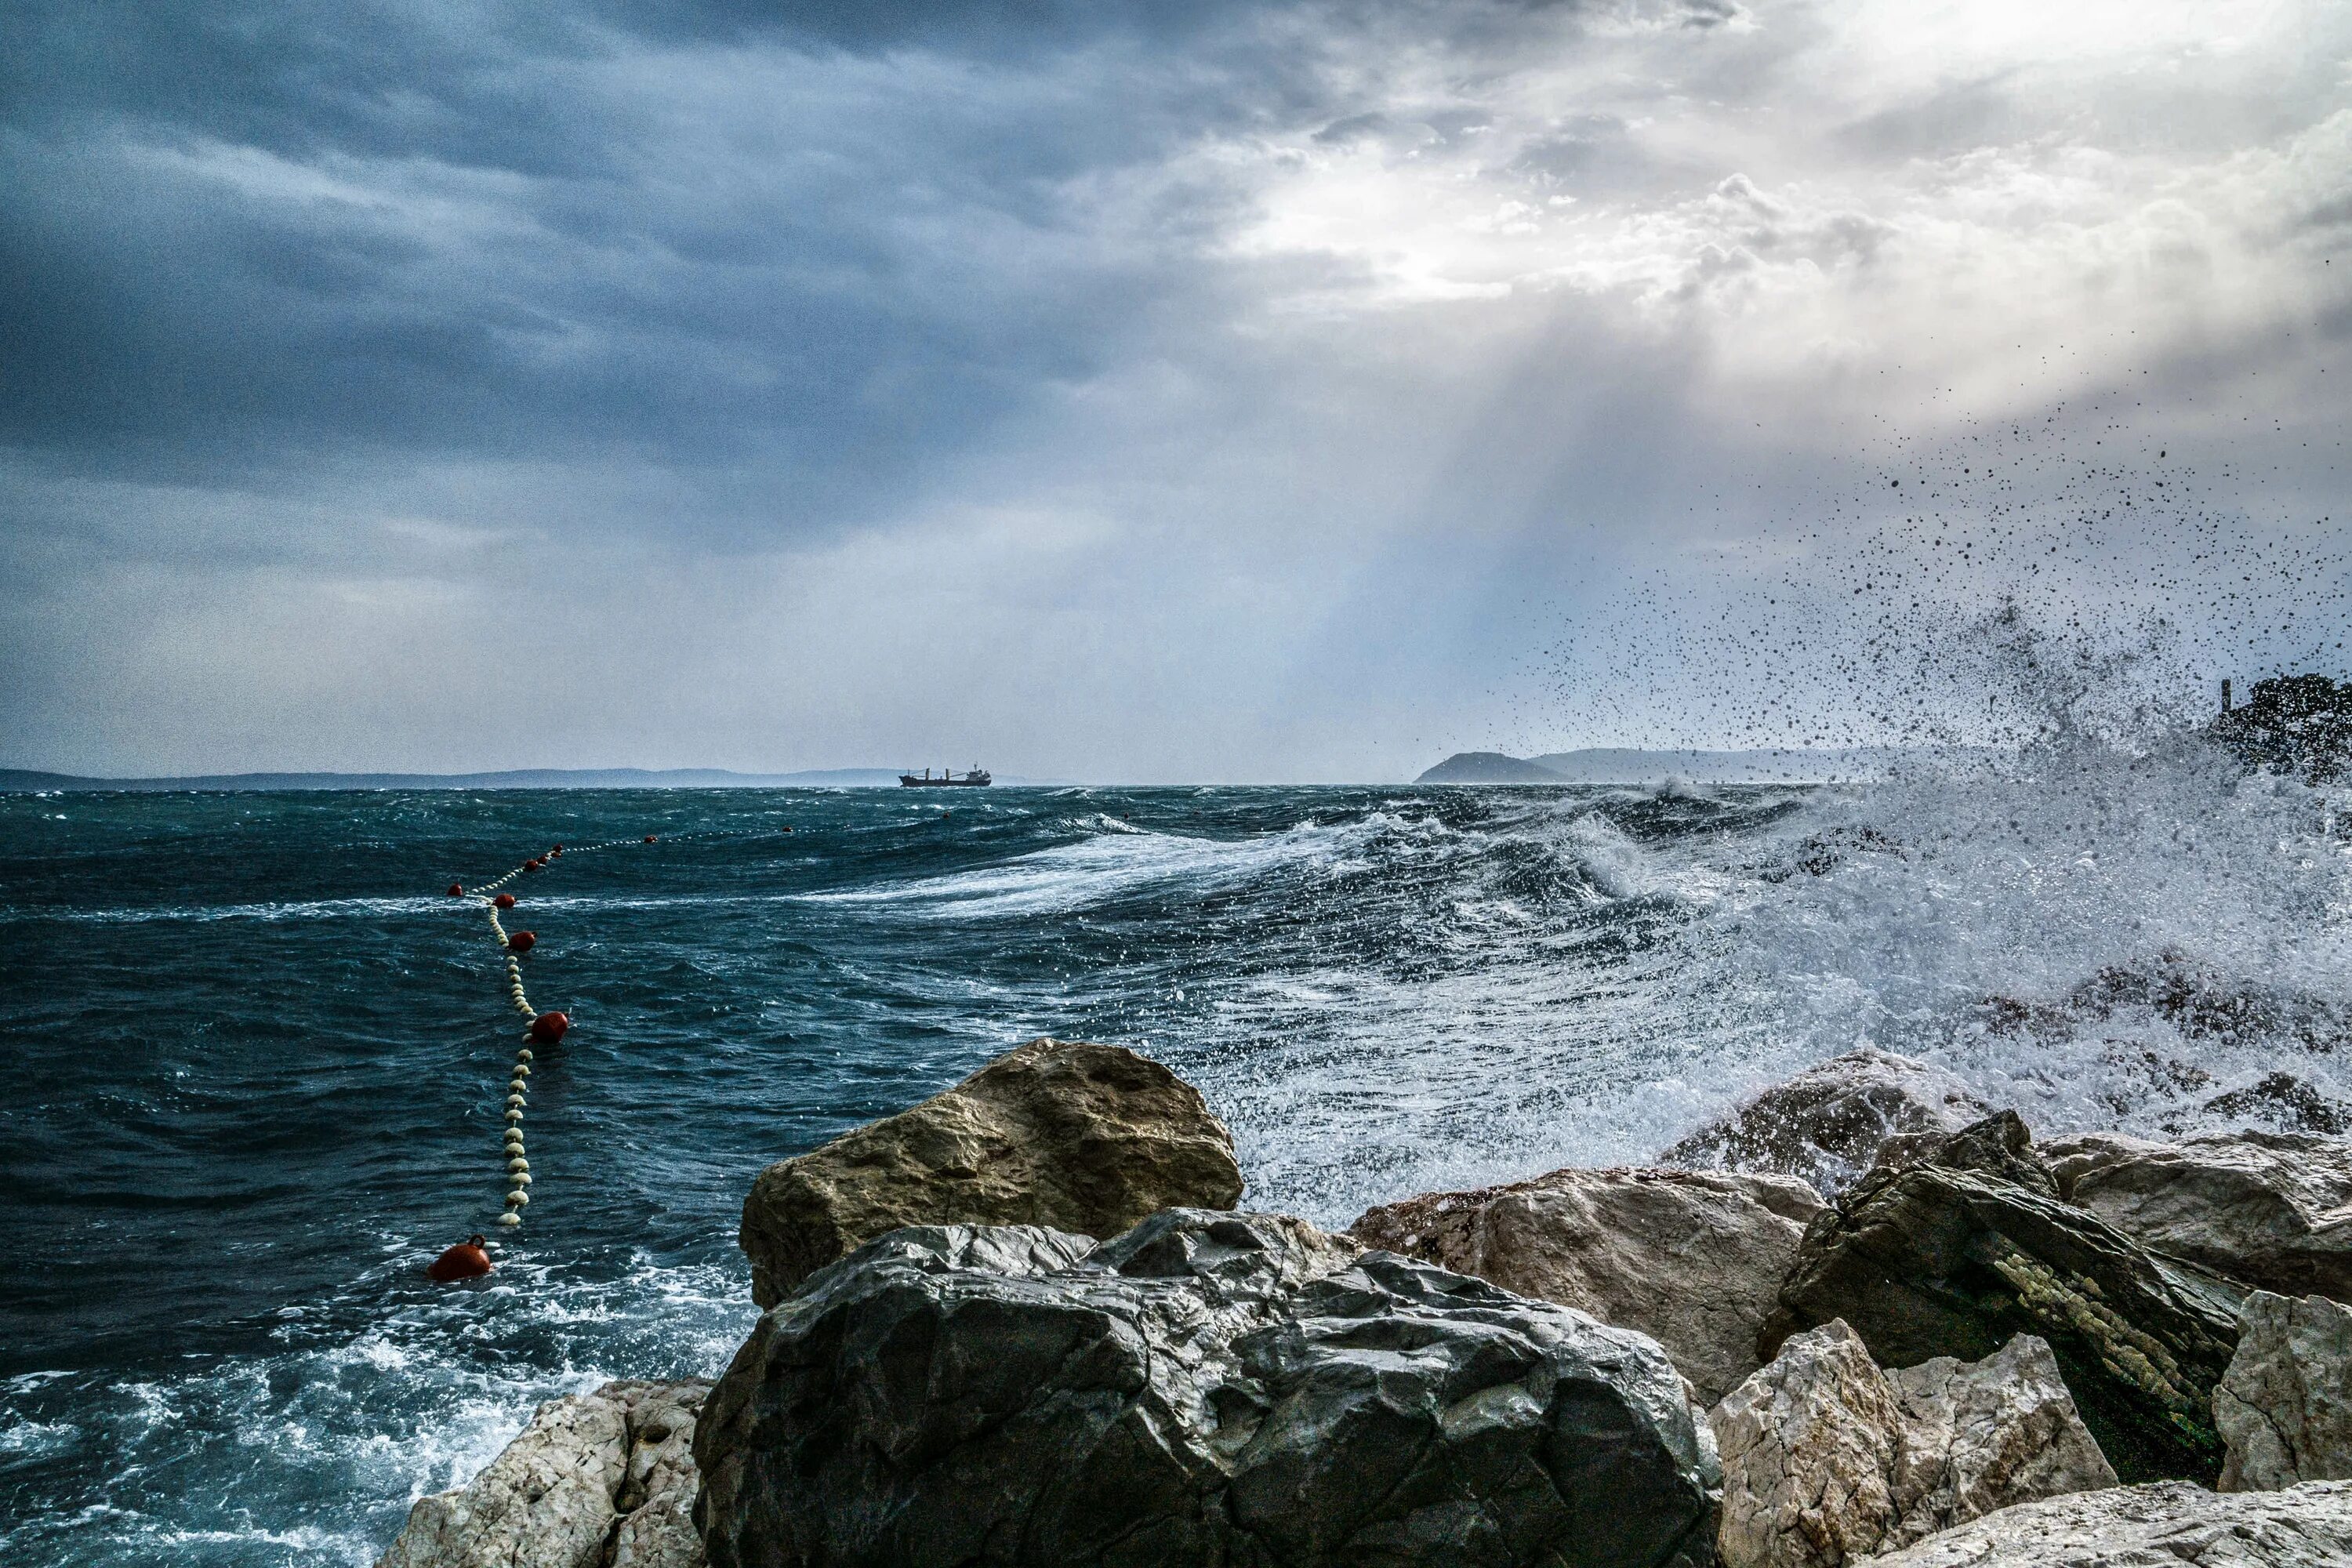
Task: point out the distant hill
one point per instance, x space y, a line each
16 780
1489 767
1631 765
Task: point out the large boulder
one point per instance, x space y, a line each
1058 1133
1930 1260
2284 1407
1692 1259
1825 1125
1825 1456
597 1481
2274 1209
2170 1524
1209 1388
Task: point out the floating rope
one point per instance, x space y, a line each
541 1028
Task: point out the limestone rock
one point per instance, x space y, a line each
1826 1457
1077 1137
596 1480
1209 1388
1825 1125
1692 1259
1808 1446
1929 1262
656 1501
2284 1407
2274 1209
2170 1524
1982 1435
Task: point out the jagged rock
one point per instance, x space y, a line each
1825 1125
1989 1433
1808 1446
1930 1261
1693 1259
2170 1524
1999 1145
1209 1388
1073 1136
596 1480
2284 1407
2274 1209
2287 1103
1825 1456
656 1501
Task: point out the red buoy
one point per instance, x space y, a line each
547 1028
557 850
649 838
504 901
467 1260
531 864
456 891
521 941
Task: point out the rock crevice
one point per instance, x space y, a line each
604 1479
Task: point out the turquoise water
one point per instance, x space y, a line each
255 1057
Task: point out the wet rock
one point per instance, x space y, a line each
1825 1125
2284 1407
1077 1137
1692 1259
1999 1145
2271 1209
2170 1524
596 1480
1209 1388
2286 1104
1825 1456
2204 1004
1928 1261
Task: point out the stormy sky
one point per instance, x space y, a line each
1141 392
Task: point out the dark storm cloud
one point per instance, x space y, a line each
240 240
1222 373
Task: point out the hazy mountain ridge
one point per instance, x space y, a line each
1635 765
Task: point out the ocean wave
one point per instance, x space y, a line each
1116 862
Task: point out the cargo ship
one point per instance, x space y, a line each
976 779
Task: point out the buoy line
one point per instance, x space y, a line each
540 1028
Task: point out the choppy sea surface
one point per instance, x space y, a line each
255 1056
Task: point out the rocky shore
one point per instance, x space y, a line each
1865 1319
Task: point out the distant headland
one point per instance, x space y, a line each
1633 766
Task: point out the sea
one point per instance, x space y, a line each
254 1056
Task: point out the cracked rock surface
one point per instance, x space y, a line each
2170 1524
1210 1389
1061 1133
597 1481
1930 1260
1693 1259
2284 1407
2274 1209
1825 1456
